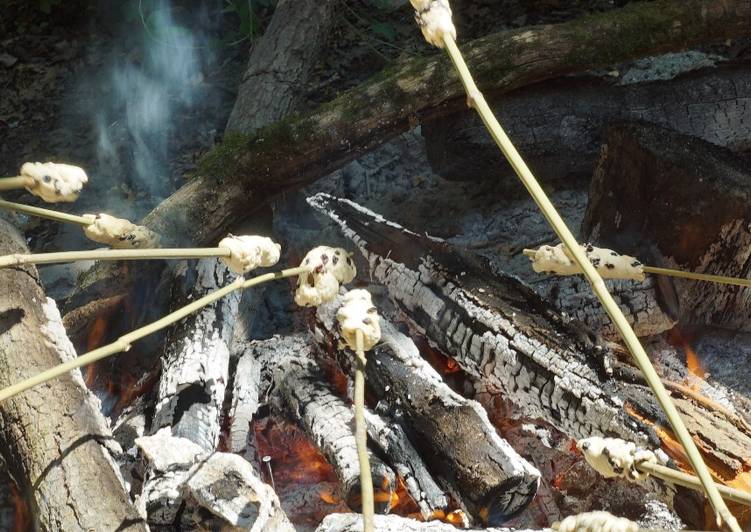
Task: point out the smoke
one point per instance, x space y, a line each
151 81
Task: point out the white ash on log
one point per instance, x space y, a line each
452 433
195 368
496 328
558 125
514 345
326 418
394 523
187 486
246 388
639 302
406 461
53 437
687 198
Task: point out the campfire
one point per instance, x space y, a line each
374 366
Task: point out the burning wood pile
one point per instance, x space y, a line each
431 394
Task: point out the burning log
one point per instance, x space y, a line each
53 438
246 390
558 125
394 523
186 486
439 421
255 168
327 419
497 329
406 460
687 199
512 343
195 369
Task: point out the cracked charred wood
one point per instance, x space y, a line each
452 433
496 328
188 487
280 63
684 201
326 419
558 125
640 303
246 389
195 368
53 437
406 461
512 343
394 523
251 170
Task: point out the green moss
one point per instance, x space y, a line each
222 161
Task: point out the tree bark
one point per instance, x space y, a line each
243 173
53 436
280 63
681 201
558 125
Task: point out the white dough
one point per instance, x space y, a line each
54 182
595 522
434 19
357 313
326 268
119 233
613 457
609 264
248 252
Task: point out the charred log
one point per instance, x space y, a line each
512 343
406 461
246 389
53 437
326 418
251 170
558 125
187 486
451 432
195 370
688 201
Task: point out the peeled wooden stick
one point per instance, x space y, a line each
124 342
556 260
476 100
13 183
43 213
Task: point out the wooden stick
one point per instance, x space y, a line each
112 254
361 436
124 342
13 183
44 213
476 100
690 481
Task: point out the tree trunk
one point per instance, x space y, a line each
280 63
243 173
53 436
